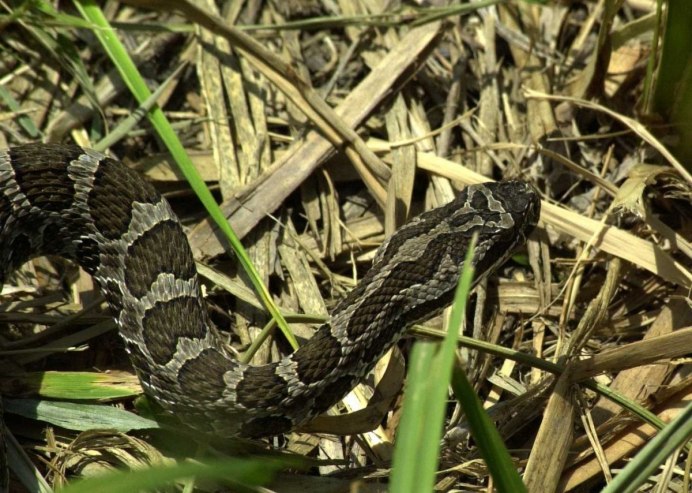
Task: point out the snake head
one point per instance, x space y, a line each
421 261
502 214
520 199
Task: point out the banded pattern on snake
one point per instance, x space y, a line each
68 201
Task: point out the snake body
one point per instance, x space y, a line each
79 204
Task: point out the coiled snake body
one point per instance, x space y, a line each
68 201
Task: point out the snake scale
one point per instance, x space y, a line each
79 204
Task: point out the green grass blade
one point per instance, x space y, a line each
242 473
23 468
492 448
116 51
416 450
407 474
654 453
78 416
77 385
417 445
497 458
23 119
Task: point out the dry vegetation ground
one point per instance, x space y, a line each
426 103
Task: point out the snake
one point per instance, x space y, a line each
65 200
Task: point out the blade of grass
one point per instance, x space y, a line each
407 472
416 452
116 51
23 469
78 416
672 97
488 439
78 385
242 473
22 118
654 453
